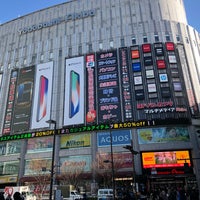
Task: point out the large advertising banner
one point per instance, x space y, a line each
119 138
125 84
37 166
75 140
10 103
75 164
42 95
91 114
23 100
162 135
42 144
74 91
165 159
108 87
121 160
9 148
9 168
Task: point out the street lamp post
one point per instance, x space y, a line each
53 157
112 163
133 152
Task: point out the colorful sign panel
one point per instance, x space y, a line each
165 159
10 103
8 179
74 91
37 166
23 100
71 162
108 87
162 135
75 141
77 129
43 144
121 160
91 113
126 84
119 138
42 95
10 168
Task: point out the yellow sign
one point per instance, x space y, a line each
8 179
75 141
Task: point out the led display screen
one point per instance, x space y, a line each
165 159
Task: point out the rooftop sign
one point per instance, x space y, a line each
67 18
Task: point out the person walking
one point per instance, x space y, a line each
2 196
17 196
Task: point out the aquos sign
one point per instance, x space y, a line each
67 18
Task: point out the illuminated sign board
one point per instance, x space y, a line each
119 138
75 141
76 129
165 159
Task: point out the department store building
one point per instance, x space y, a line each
99 68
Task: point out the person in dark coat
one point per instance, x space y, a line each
17 196
2 196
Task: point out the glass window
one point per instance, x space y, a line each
145 40
80 50
156 37
122 42
133 40
178 38
111 44
167 38
100 46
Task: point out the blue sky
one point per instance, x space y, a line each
11 9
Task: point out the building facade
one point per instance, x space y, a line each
101 68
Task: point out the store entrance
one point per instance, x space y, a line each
164 182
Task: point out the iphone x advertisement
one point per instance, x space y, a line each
42 95
23 99
74 91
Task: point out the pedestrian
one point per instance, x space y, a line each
17 196
2 196
9 197
84 196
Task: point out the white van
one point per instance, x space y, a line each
105 194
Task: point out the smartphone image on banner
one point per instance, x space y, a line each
24 91
42 98
74 98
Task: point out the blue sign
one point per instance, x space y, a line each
119 138
136 67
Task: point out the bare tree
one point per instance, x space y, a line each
41 176
70 173
102 166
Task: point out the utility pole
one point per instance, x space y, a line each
133 152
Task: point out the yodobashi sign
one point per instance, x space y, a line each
67 18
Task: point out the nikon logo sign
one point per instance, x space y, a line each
67 18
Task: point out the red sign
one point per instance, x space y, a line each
135 54
161 64
169 46
146 48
